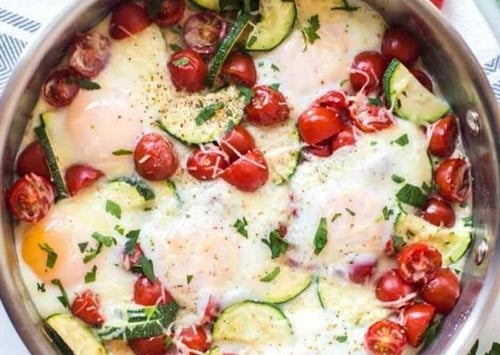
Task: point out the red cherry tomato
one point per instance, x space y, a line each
452 179
89 54
155 158
367 70
170 12
212 310
333 100
149 346
203 32
32 160
416 320
127 19
423 78
187 70
238 140
419 263
442 291
361 272
239 68
438 212
385 337
371 118
322 149
195 338
267 106
443 137
391 287
149 293
400 44
344 138
30 198
131 261
317 124
249 172
207 163
59 89
86 307
438 3
78 177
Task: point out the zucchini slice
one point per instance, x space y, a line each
254 323
72 336
410 99
286 286
208 4
452 244
214 351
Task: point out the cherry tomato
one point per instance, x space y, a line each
416 320
30 198
238 140
438 3
32 160
385 337
361 272
391 287
367 70
89 54
170 12
195 338
155 158
322 149
267 106
59 89
239 68
149 293
438 212
344 138
332 100
127 19
371 118
131 261
203 32
249 172
418 263
317 124
149 346
187 70
452 179
207 163
423 78
443 137
211 312
442 291
86 307
400 44
78 177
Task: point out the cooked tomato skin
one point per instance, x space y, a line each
59 89
30 198
438 212
171 12
86 307
195 338
344 138
361 272
423 78
317 124
418 263
385 337
212 310
416 320
187 70
443 137
322 149
443 291
127 19
332 100
32 160
400 44
373 65
131 261
245 175
79 176
267 106
149 346
206 164
149 293
371 118
203 31
391 287
239 68
238 138
89 54
155 158
439 3
452 179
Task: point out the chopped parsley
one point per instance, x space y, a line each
402 141
40 287
51 255
189 278
131 242
431 334
335 216
83 246
64 296
275 67
411 195
175 47
241 226
119 229
86 84
147 268
122 152
207 113
275 86
271 275
351 212
104 239
341 338
387 213
230 126
113 209
398 243
397 179
467 221
91 275
247 93
180 62
345 7
310 32
321 236
276 244
375 101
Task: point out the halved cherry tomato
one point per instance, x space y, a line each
212 310
367 70
30 198
371 118
423 78
317 124
207 163
438 3
344 138
195 338
385 337
400 44
86 307
419 263
442 291
443 136
416 320
89 53
155 158
239 68
452 179
78 177
239 140
267 106
391 287
438 212
170 12
131 261
332 100
127 19
249 172
360 273
59 89
187 70
32 160
322 149
203 32
149 293
149 346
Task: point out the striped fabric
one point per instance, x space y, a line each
19 21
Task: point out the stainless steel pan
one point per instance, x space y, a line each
446 55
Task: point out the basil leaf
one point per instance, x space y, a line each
207 113
147 268
402 141
397 179
113 209
103 239
276 244
64 296
241 225
411 195
91 275
51 255
321 236
131 242
271 275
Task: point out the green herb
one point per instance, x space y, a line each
40 287
276 243
131 242
402 141
207 113
321 236
113 209
90 276
495 349
351 212
387 213
335 216
153 8
251 41
341 338
375 101
431 333
103 239
473 350
467 221
189 278
82 246
119 229
411 195
142 188
373 143
230 126
180 62
147 268
275 67
271 275
310 32
247 93
51 255
426 188
241 226
398 242
345 7
122 152
275 86
86 84
397 179
175 47
92 253
64 296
